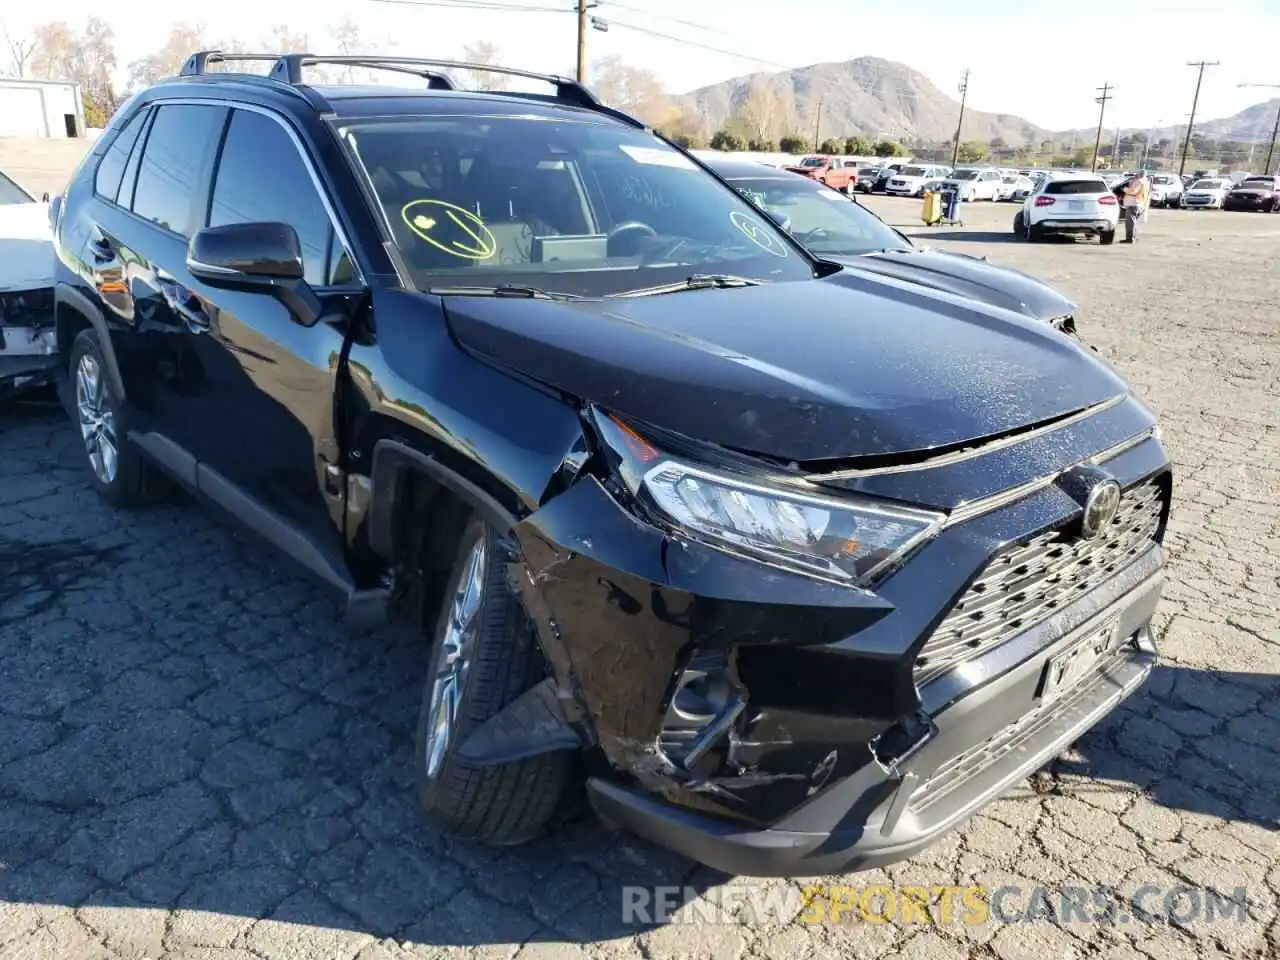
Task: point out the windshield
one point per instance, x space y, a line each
965 175
10 192
1206 185
912 172
824 221
1255 182
813 162
575 207
1162 181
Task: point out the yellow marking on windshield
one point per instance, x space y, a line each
459 232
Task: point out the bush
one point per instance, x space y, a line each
724 140
792 143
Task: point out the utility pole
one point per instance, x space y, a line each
964 94
1106 89
1275 130
582 41
1115 150
1195 100
817 128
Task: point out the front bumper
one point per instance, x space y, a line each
1248 203
985 742
28 358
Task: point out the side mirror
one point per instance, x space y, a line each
781 219
255 258
55 211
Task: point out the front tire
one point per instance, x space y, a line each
118 471
483 656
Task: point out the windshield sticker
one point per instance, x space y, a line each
654 157
451 228
758 233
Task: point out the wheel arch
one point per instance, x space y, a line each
73 312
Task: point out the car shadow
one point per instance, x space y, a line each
245 759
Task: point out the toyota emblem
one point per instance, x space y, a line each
1100 509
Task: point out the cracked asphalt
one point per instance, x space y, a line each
196 762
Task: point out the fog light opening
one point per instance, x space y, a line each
706 702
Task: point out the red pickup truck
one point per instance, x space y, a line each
838 172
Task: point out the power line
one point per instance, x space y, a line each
1186 144
1106 89
700 46
489 5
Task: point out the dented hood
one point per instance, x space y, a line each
969 277
845 367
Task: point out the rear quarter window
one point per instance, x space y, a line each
106 181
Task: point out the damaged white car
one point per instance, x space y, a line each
28 341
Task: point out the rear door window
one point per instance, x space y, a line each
178 151
106 182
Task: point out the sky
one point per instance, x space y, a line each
1140 47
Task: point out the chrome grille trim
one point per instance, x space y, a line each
1029 582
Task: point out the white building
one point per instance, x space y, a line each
41 108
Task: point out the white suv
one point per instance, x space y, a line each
1082 204
973 183
910 181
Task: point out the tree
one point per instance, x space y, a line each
485 53
831 146
87 58
792 143
184 39
762 113
20 50
858 146
971 151
633 90
724 140
889 148
996 144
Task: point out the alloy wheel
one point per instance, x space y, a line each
452 659
97 420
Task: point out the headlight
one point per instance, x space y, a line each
848 540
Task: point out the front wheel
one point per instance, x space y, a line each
484 655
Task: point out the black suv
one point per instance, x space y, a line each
799 565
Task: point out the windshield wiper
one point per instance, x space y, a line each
515 291
698 281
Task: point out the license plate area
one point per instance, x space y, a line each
1068 668
1075 204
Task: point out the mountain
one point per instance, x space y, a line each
866 96
1251 125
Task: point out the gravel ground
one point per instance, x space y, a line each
195 762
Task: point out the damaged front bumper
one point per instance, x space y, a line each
28 341
828 740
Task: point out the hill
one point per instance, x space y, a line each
867 96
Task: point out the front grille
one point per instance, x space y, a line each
964 766
1028 583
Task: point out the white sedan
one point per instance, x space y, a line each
1207 194
973 183
28 344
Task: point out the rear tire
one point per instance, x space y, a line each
1033 234
483 622
118 471
1107 238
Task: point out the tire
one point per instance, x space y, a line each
1033 234
124 478
1020 226
1108 238
507 803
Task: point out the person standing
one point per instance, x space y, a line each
1134 205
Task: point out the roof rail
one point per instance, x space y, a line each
287 68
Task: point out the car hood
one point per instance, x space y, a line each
846 367
26 246
969 277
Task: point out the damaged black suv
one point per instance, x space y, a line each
801 565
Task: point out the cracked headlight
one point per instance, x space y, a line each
849 540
